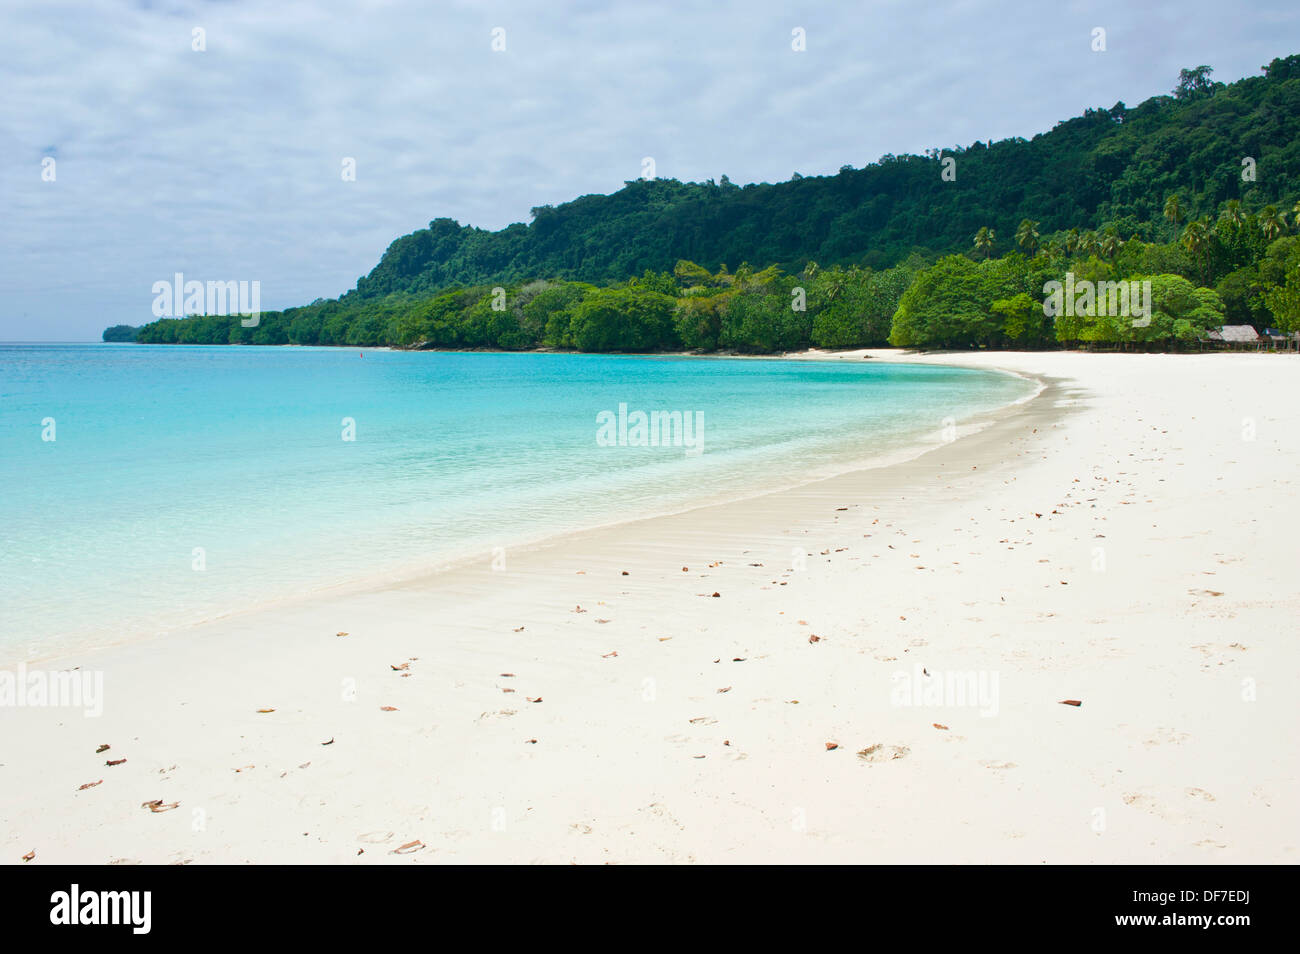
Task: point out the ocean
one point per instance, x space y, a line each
146 488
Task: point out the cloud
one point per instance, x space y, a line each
225 163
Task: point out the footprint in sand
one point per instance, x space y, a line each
1148 804
883 753
660 812
1200 793
375 837
1166 736
997 766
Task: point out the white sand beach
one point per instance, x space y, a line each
653 692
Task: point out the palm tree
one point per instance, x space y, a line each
1111 244
1272 222
1174 209
1232 215
1027 236
1196 239
1071 241
836 280
984 239
1088 244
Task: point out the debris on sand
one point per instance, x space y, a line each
883 753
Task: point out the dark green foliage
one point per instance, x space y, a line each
636 319
120 333
1111 165
907 257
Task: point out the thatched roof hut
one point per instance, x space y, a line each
1239 334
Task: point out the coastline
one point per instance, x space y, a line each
667 727
427 570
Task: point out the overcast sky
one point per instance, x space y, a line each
225 164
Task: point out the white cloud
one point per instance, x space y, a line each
225 164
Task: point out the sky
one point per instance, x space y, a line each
226 163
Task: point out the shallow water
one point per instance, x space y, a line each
185 482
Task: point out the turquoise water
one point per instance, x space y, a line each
186 482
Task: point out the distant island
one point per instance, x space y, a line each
1189 200
121 333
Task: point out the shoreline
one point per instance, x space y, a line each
428 571
673 725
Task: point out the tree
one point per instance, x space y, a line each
1196 239
1090 179
1027 236
1194 83
1023 321
1174 210
553 309
698 321
1111 244
949 304
1284 300
1179 311
1272 222
625 319
1241 293
1232 216
689 274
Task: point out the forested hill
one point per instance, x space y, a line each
1109 168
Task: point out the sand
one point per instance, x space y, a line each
653 692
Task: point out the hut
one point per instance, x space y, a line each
1240 336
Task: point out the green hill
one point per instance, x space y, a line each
1108 166
1194 194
